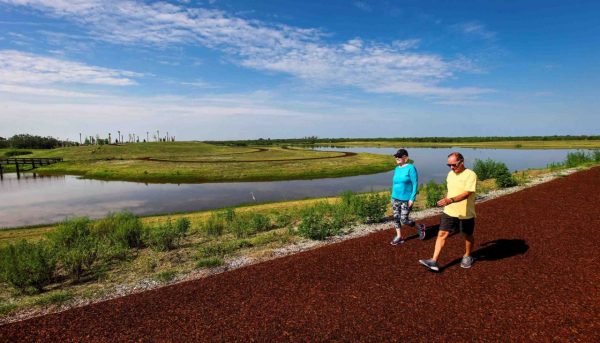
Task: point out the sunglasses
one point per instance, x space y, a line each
453 164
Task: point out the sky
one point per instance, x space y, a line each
220 69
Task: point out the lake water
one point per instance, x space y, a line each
33 200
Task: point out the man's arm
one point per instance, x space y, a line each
457 198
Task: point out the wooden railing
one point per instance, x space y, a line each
20 163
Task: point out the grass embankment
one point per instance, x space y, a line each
253 230
574 144
193 162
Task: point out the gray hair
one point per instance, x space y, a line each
458 156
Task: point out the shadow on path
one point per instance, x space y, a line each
495 250
431 232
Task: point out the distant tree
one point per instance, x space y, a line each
26 141
3 143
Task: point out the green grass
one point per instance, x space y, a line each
7 308
165 276
53 298
209 262
194 162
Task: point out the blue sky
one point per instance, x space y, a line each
217 69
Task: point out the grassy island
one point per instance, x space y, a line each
195 162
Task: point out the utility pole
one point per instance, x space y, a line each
158 135
147 137
80 138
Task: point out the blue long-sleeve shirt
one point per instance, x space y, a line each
405 183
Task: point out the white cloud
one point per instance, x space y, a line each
299 52
39 91
362 6
474 28
198 84
18 67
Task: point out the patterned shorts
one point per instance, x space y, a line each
401 212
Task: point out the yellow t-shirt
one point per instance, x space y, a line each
458 184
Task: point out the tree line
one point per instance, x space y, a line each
26 141
315 140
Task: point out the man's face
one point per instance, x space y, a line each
455 165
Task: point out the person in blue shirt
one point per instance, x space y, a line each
404 192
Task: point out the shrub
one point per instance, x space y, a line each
12 153
488 169
434 192
505 180
522 178
214 225
341 215
163 237
503 177
283 220
229 215
122 229
239 226
370 208
555 166
28 267
182 226
348 198
76 248
314 225
596 155
246 225
577 158
7 308
259 222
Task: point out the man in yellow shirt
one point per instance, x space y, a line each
459 210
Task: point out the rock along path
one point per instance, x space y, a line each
536 279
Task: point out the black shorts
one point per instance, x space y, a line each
465 226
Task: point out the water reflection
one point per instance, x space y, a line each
35 199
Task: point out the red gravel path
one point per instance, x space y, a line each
539 282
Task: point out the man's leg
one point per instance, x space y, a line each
447 223
467 227
439 244
469 244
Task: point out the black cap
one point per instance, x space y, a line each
401 153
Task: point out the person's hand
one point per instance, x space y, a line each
444 202
410 203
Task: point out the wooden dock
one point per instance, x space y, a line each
21 163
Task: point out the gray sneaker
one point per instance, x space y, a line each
397 240
467 261
430 264
422 232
